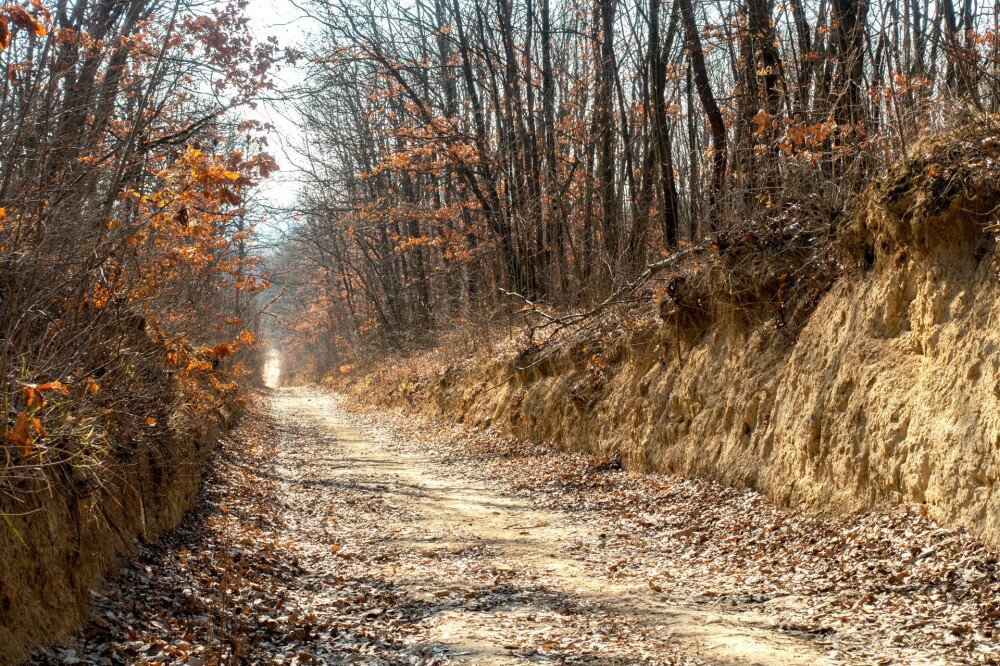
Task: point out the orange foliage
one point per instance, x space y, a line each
172 247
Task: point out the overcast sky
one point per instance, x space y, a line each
283 20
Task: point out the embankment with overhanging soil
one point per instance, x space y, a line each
836 364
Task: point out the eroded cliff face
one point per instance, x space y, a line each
888 392
67 540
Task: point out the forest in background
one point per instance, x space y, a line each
469 158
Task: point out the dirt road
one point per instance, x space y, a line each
499 577
341 538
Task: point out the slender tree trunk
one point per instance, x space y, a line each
553 208
658 59
716 123
849 18
604 124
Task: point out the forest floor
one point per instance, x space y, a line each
333 536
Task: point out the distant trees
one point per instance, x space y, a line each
553 147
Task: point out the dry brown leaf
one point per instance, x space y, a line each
20 436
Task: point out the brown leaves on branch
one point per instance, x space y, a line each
20 435
18 17
33 392
127 226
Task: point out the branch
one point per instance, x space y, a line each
561 322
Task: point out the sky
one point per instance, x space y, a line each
281 19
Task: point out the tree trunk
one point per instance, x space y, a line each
661 132
604 124
716 123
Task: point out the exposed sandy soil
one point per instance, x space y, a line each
505 578
331 536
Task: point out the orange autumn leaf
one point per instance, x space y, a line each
92 387
32 398
22 19
33 392
37 4
222 351
56 386
20 436
195 366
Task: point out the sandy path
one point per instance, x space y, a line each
491 578
328 536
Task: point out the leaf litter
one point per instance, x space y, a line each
300 553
